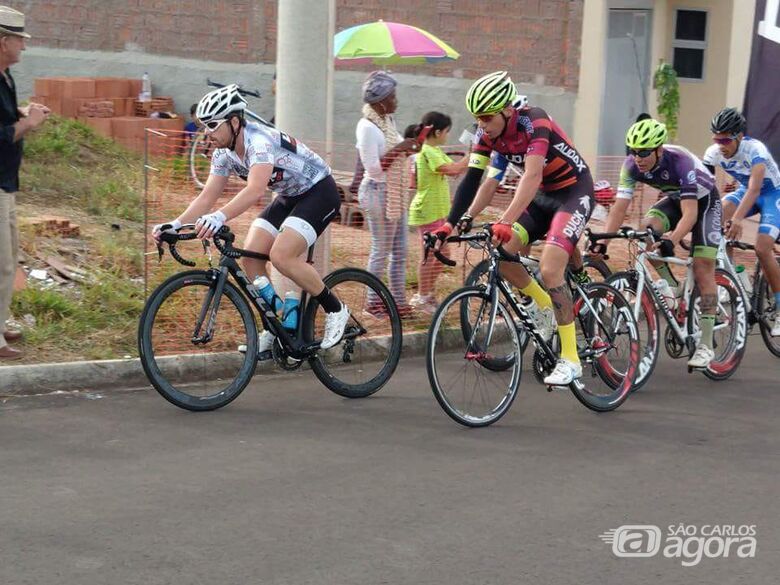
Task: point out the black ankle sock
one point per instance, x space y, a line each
329 302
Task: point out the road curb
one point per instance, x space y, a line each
107 375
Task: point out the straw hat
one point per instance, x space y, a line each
12 22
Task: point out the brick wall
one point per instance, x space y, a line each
536 40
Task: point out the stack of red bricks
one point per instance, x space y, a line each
107 104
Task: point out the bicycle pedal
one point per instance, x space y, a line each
551 388
264 355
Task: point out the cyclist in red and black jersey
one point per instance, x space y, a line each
529 138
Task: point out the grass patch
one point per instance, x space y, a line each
70 171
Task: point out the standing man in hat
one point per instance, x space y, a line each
15 122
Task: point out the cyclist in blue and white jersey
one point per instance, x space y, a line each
749 162
306 201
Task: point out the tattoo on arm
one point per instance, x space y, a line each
562 303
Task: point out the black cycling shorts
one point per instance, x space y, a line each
561 215
706 234
308 214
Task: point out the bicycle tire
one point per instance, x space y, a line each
393 346
431 357
721 369
621 386
146 351
598 265
650 350
199 139
764 303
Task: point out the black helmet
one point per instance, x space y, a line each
728 121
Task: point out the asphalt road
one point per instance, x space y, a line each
291 484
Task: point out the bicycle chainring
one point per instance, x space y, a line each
674 348
282 358
541 366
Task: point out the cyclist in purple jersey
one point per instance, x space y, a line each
691 205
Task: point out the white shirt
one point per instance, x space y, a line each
751 152
371 147
296 168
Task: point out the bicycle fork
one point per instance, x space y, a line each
210 306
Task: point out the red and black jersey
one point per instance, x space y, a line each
530 131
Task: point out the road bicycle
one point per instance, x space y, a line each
682 316
194 322
474 356
759 300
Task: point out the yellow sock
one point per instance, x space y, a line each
538 294
568 343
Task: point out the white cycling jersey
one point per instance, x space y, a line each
296 168
750 153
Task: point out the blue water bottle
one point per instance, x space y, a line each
291 310
266 290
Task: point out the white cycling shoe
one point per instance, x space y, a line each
565 373
701 358
776 326
265 341
335 324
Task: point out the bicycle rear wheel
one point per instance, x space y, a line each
364 361
200 158
479 276
191 375
730 332
648 323
468 391
766 308
608 340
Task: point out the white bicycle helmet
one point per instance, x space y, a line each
220 103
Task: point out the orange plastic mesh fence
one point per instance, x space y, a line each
178 164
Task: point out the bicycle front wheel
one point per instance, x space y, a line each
469 392
609 343
367 356
192 373
729 335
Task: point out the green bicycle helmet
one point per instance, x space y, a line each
647 133
490 94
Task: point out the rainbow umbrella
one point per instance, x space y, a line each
388 43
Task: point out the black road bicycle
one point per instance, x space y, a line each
194 322
474 354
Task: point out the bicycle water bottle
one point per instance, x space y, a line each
266 290
665 290
146 88
291 310
743 276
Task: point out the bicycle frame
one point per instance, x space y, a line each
295 346
750 299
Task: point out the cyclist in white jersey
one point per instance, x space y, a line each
749 162
307 199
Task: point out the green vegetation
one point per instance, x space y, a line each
668 88
69 171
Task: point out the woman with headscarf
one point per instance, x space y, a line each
382 193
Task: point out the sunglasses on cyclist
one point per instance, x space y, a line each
643 153
485 117
212 125
726 140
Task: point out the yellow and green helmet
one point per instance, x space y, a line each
647 133
490 94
